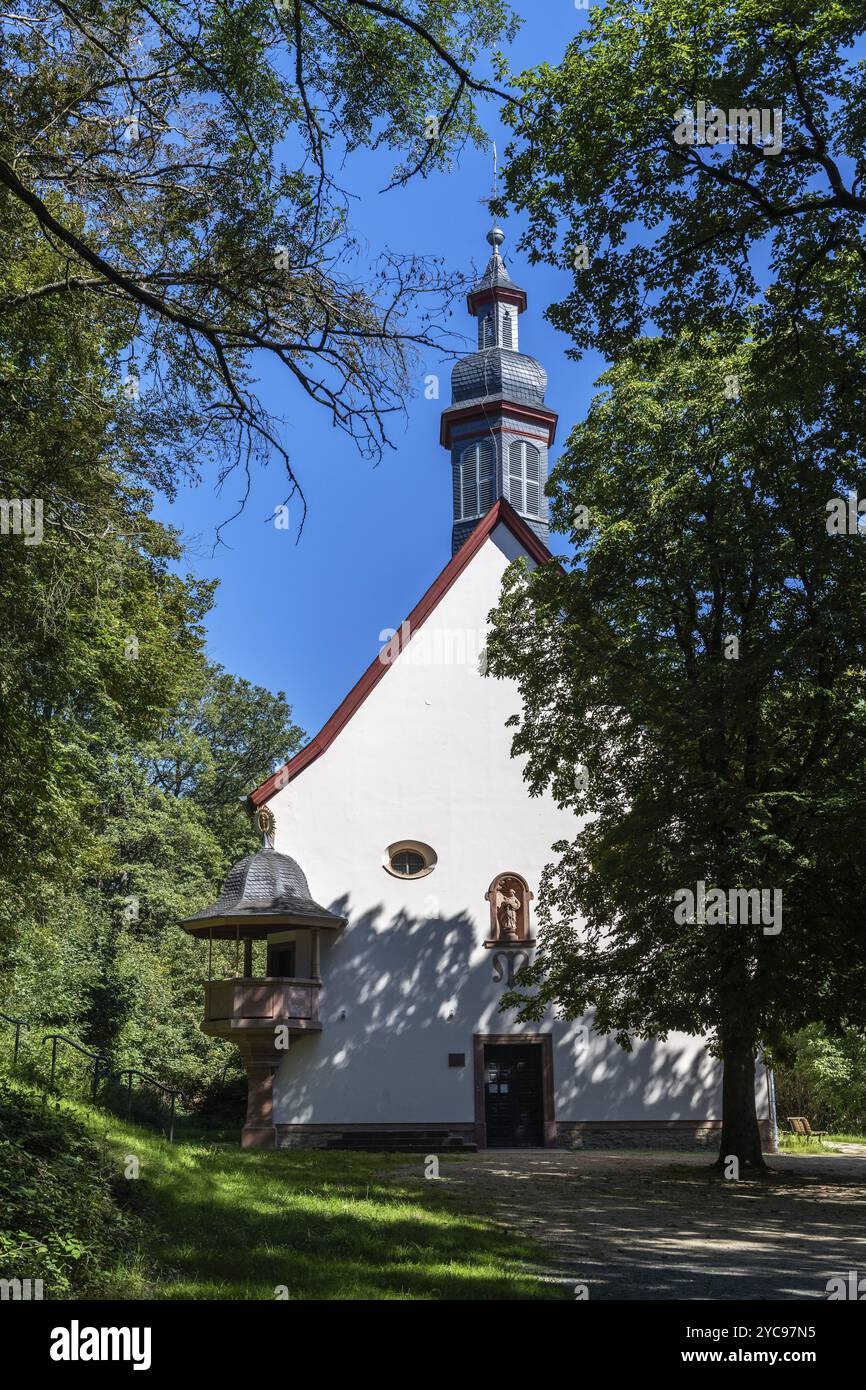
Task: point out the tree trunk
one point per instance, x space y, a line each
741 1137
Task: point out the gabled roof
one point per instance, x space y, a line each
501 511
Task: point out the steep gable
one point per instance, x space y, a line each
501 514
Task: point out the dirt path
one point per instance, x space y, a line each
654 1226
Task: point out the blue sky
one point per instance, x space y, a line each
305 618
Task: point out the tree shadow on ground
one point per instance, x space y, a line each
645 1227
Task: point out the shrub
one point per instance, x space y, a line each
62 1220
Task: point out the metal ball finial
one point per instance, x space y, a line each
496 236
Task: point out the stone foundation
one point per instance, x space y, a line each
683 1135
408 1138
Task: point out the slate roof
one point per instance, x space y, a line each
265 885
498 372
495 274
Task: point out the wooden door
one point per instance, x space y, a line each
513 1099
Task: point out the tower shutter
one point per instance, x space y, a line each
486 490
524 478
475 481
470 484
455 481
507 336
533 480
515 475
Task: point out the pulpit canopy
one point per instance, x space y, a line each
263 893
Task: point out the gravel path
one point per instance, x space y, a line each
655 1226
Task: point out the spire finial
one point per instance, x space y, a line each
495 236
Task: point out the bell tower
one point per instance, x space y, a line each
497 428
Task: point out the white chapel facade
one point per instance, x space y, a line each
378 1023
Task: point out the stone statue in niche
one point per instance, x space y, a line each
507 912
509 897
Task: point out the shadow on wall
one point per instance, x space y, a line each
409 990
597 1079
389 988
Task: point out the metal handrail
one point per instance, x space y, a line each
102 1068
171 1091
98 1057
19 1024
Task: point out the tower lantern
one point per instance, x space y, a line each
497 428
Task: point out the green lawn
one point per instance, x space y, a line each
210 1221
790 1144
224 1223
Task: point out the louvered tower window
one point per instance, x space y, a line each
474 489
524 478
507 335
486 335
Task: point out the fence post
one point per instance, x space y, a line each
53 1060
18 1024
129 1096
171 1124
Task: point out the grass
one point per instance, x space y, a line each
213 1222
791 1144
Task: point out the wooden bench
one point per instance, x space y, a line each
803 1130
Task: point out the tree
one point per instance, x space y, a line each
693 687
686 235
221 739
102 956
179 158
98 637
824 1078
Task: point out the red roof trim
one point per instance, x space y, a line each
501 511
507 293
457 414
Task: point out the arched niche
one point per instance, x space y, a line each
509 897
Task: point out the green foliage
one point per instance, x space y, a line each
706 522
687 236
823 1077
104 960
61 1218
69 692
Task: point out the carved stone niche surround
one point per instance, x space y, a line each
501 894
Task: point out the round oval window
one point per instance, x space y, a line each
408 861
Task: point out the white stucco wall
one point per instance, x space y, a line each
427 757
